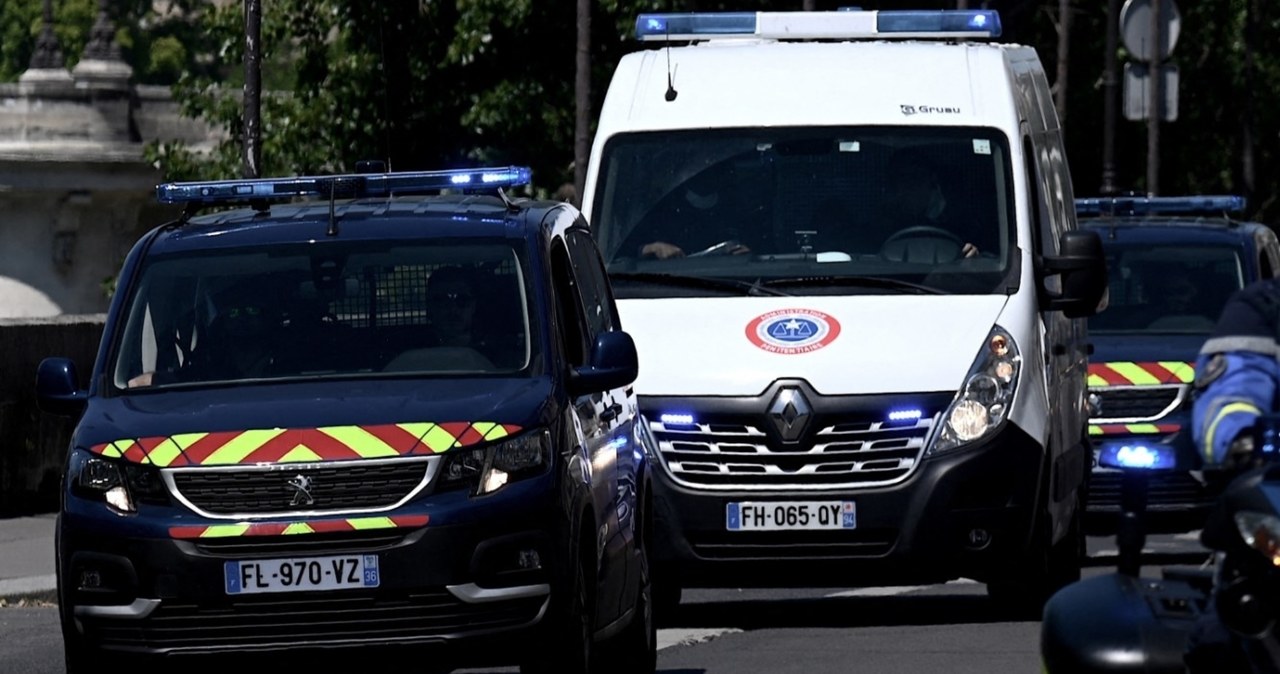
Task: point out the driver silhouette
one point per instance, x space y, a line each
707 217
915 210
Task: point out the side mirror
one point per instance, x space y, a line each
613 363
1083 267
57 387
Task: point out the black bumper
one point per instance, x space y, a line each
441 587
965 513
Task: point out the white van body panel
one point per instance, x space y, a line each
886 343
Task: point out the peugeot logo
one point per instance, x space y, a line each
301 486
790 413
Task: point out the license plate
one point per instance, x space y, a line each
789 515
300 574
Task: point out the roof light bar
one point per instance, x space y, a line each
347 186
1201 205
842 24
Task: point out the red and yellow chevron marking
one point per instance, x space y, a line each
1133 429
304 445
1150 373
299 528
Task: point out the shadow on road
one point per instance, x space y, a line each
840 612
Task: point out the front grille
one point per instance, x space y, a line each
248 547
1173 489
332 487
741 455
750 545
314 620
1137 402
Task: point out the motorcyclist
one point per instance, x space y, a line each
1237 379
1237 375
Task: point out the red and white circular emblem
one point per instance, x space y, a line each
788 331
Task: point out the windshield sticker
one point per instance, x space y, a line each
981 146
850 146
789 331
929 110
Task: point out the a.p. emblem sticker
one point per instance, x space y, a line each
788 331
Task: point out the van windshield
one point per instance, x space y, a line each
1168 289
826 210
327 309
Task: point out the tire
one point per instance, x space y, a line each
666 599
567 644
635 649
1047 568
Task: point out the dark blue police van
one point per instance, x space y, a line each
1173 262
375 409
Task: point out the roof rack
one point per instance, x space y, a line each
1193 205
848 23
352 185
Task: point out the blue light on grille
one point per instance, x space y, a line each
1137 456
905 415
676 419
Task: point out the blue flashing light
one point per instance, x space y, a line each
976 23
353 185
1137 456
845 23
676 419
1195 205
905 415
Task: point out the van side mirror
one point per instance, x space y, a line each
613 363
1083 267
57 387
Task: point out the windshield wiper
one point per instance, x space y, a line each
707 282
859 281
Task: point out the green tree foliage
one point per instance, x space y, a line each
443 83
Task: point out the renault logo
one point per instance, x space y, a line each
790 413
301 486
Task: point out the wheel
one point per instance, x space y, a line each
570 631
666 600
922 244
1047 569
635 649
726 247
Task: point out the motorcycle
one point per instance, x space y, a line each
1219 617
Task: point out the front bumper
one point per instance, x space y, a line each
456 581
964 513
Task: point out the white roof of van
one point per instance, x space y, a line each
753 82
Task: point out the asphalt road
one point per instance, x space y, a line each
951 628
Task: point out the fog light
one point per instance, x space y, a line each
979 538
529 559
90 579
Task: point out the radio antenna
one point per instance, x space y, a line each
671 89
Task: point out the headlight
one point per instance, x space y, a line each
982 404
1261 532
98 478
488 469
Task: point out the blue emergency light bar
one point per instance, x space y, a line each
1137 456
353 185
843 24
1197 205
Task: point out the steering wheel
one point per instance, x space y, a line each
725 247
923 243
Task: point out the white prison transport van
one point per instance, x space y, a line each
846 246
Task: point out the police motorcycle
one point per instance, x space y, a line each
1219 617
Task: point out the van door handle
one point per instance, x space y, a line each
611 412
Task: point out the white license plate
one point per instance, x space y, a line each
300 574
788 515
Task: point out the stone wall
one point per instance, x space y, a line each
33 443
